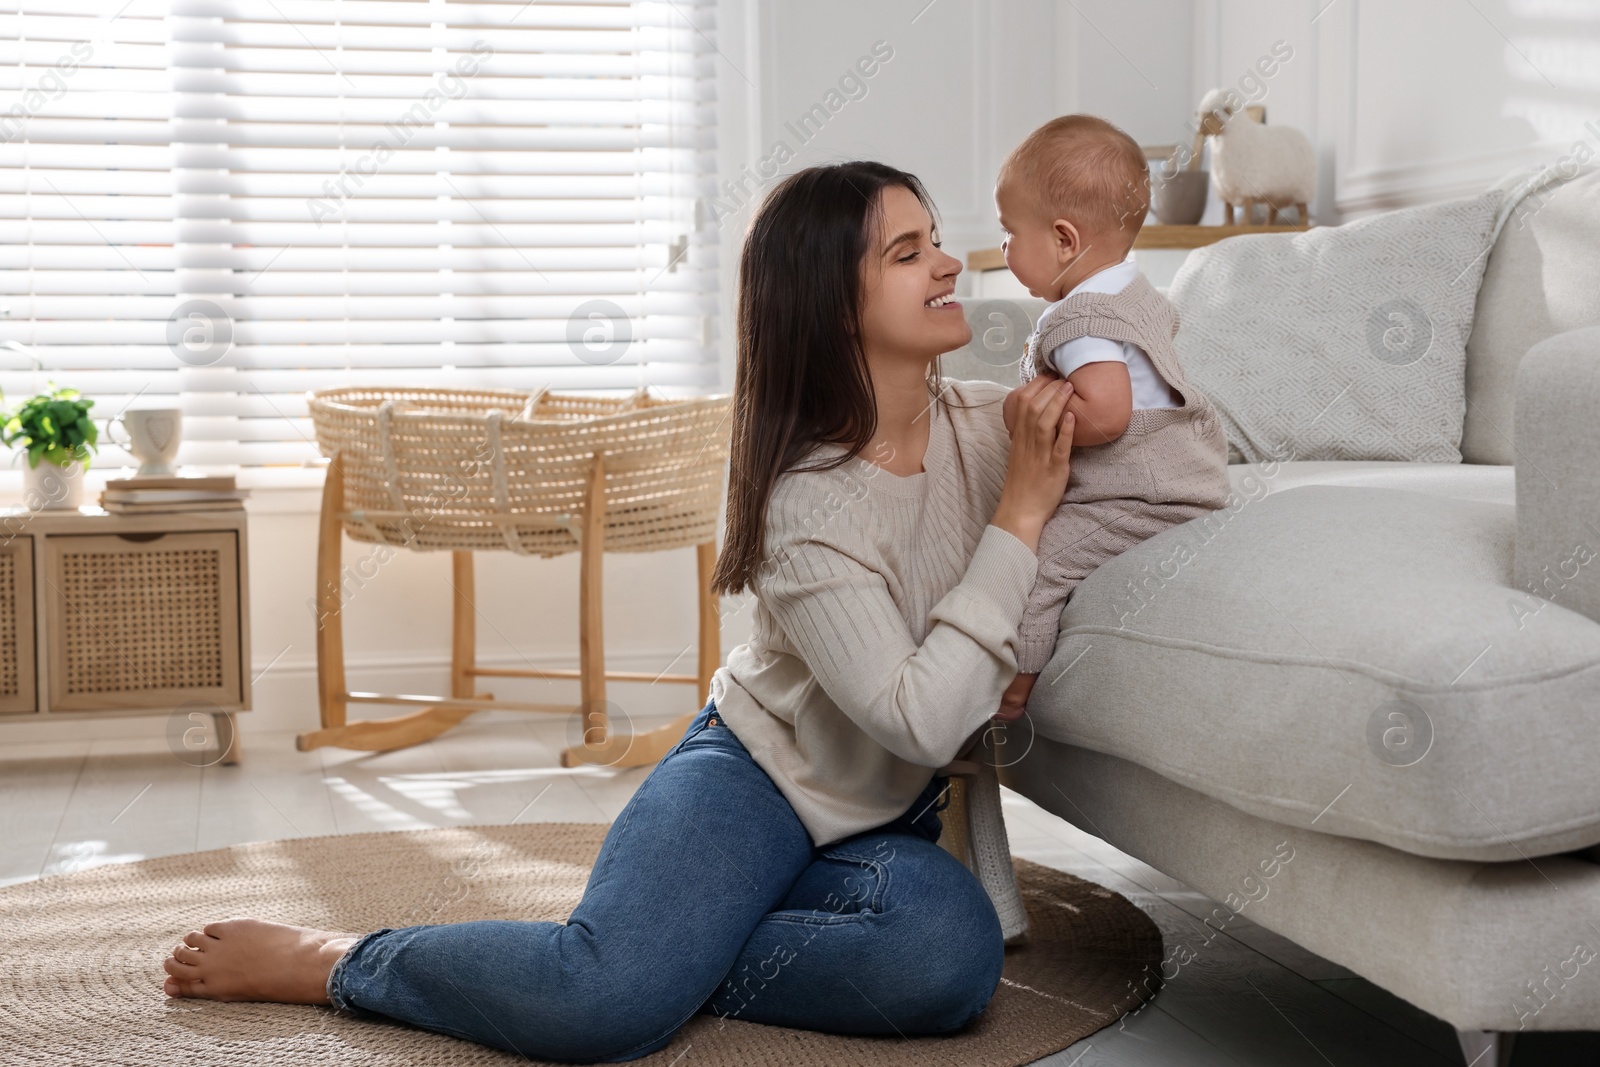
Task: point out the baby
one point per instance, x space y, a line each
1148 449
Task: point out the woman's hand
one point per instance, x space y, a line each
1008 408
1040 461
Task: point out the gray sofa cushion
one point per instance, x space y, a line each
1486 482
1342 342
1292 654
1558 483
1543 278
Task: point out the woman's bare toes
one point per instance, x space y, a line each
251 959
183 979
177 987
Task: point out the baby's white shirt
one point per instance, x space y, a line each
1149 390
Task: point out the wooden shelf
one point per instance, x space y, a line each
1200 236
986 259
1154 236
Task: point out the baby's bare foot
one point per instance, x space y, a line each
250 959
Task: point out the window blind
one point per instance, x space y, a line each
218 205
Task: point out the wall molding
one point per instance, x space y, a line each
1362 188
1382 188
1352 177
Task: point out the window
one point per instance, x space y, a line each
221 204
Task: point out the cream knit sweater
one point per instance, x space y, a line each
885 630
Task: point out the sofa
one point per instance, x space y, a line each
1387 672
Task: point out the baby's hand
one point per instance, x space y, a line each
1014 701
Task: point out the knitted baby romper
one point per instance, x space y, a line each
1169 466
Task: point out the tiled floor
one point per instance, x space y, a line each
1249 999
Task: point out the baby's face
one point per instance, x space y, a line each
1030 245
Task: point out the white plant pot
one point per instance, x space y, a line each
50 486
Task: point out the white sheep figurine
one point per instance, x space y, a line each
1254 163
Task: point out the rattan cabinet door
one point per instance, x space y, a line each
18 692
141 620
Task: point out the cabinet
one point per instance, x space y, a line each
104 614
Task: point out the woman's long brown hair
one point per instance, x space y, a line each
801 378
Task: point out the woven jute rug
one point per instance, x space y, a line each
82 957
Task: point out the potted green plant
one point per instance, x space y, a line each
58 434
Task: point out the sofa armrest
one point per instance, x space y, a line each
1557 430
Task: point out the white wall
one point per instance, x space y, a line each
1433 99
967 81
1408 101
1414 101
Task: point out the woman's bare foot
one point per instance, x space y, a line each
250 959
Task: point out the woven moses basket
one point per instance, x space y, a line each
484 469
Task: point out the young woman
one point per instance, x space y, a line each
780 864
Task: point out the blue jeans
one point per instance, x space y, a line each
706 897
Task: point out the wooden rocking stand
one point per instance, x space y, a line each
436 714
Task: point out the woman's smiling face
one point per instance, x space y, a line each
908 304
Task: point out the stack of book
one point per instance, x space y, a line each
182 492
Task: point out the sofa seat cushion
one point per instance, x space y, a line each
1352 659
1468 481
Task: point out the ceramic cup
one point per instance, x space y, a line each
153 437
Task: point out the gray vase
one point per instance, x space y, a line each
1180 198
